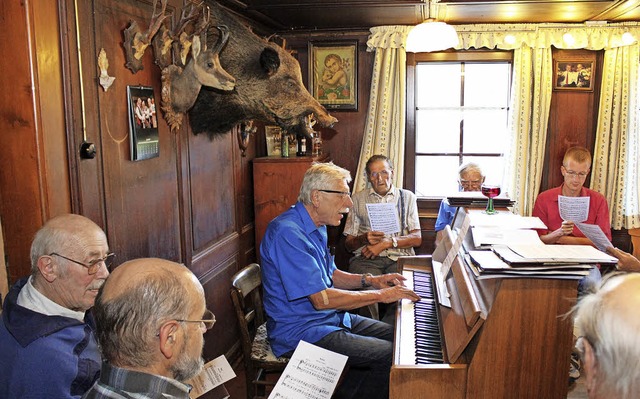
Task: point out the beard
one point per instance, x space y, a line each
187 367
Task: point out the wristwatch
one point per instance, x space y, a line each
394 241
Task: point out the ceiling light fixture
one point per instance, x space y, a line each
431 35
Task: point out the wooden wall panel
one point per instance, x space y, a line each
572 121
140 197
211 176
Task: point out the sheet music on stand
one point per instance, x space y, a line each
312 373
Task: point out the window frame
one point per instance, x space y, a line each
433 202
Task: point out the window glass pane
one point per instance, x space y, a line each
437 131
492 167
485 131
438 85
486 85
442 172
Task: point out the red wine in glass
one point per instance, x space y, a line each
490 191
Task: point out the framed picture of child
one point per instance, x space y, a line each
574 74
333 68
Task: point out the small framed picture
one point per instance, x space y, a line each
333 68
574 74
143 123
273 137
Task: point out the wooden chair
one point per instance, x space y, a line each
259 360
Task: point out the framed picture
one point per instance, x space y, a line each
333 68
574 74
273 137
143 123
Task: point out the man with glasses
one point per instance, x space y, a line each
470 178
306 297
151 315
575 168
47 344
609 342
375 252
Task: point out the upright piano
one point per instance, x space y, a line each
507 338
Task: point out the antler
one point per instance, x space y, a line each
192 10
222 40
137 42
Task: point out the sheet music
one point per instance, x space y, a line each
383 217
496 235
575 209
312 373
552 253
216 372
596 235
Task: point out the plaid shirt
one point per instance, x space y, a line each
358 219
118 383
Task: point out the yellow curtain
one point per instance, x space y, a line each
616 169
386 118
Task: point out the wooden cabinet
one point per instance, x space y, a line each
276 184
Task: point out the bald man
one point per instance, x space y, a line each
151 316
48 347
610 344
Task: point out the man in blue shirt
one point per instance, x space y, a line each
470 179
306 297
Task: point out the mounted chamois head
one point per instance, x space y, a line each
180 87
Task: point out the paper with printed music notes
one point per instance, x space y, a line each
312 373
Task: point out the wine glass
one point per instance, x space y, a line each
490 191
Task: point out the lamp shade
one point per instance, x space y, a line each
431 35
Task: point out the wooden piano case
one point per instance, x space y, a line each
520 349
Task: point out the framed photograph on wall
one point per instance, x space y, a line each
574 74
143 123
333 69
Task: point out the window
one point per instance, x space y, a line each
460 109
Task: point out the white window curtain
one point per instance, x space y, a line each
386 118
616 168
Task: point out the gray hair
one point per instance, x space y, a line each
127 324
469 167
614 338
60 234
321 175
376 158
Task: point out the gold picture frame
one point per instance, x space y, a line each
574 74
333 74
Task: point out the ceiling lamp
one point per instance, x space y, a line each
431 35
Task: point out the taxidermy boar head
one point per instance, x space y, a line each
268 87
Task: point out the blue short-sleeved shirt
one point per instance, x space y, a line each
296 263
445 215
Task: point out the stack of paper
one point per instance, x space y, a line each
539 261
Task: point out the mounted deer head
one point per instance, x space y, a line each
136 42
180 87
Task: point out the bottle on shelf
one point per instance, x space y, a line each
284 145
302 146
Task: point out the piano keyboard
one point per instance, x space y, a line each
422 321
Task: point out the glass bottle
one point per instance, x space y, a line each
302 146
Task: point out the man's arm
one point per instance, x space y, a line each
389 288
413 239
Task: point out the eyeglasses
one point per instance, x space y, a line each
581 175
341 193
208 321
383 173
94 265
469 183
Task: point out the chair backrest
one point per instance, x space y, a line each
246 294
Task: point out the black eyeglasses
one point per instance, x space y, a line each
208 321
94 265
342 193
